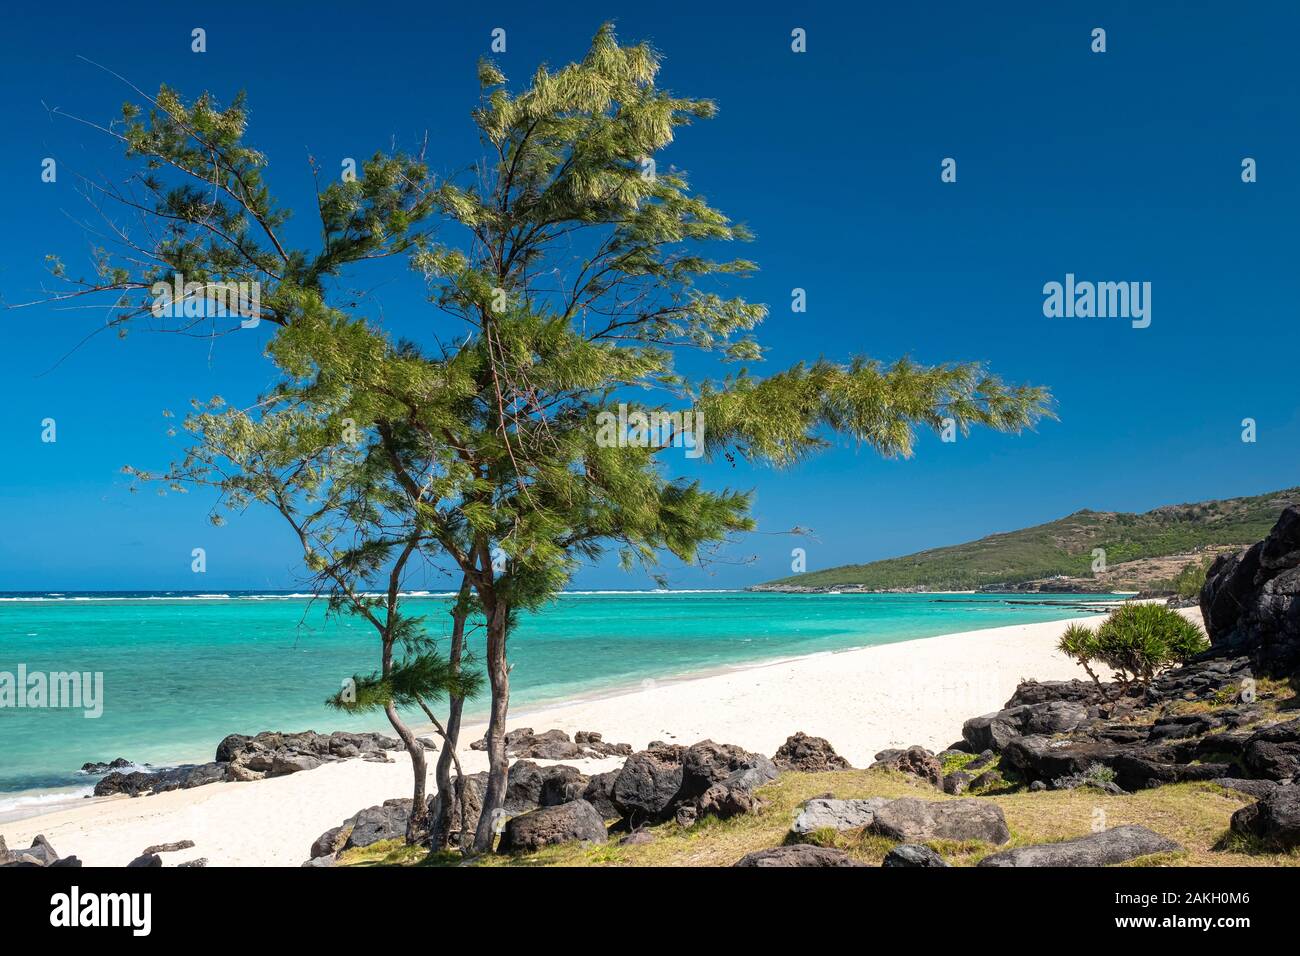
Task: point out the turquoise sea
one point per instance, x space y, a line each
181 671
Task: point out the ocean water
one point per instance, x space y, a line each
182 671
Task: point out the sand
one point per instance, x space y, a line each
863 701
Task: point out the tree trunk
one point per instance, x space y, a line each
498 763
451 734
417 825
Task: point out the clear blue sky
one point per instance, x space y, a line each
1117 166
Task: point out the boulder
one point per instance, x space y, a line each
1251 600
915 821
40 853
823 813
806 754
599 792
284 764
1116 845
577 820
1042 692
386 821
705 764
916 761
957 782
995 731
798 854
1274 819
1274 752
561 785
647 786
523 787
146 860
912 855
475 786
1254 788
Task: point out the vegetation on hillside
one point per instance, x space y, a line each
1065 546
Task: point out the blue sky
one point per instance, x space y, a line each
1122 166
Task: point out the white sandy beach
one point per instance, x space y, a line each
863 701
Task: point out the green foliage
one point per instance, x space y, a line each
1136 641
1190 580
423 677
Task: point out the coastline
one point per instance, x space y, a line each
863 700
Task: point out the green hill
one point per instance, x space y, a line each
1064 548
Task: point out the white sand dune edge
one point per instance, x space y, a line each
863 701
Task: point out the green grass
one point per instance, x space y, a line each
1196 815
1065 546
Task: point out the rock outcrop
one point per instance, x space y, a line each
823 813
526 743
667 781
806 754
575 821
912 855
243 758
40 853
916 761
1251 600
910 820
1116 845
1274 819
798 854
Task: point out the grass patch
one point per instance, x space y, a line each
1196 815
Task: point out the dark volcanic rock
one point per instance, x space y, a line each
995 731
566 823
526 743
1274 819
168 847
1042 692
562 784
798 854
139 782
1274 752
667 781
1108 847
1254 788
475 786
523 787
707 764
40 853
647 786
599 792
806 754
1251 600
387 821
916 821
912 855
916 761
146 860
95 769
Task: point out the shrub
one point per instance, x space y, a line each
1136 641
1191 578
